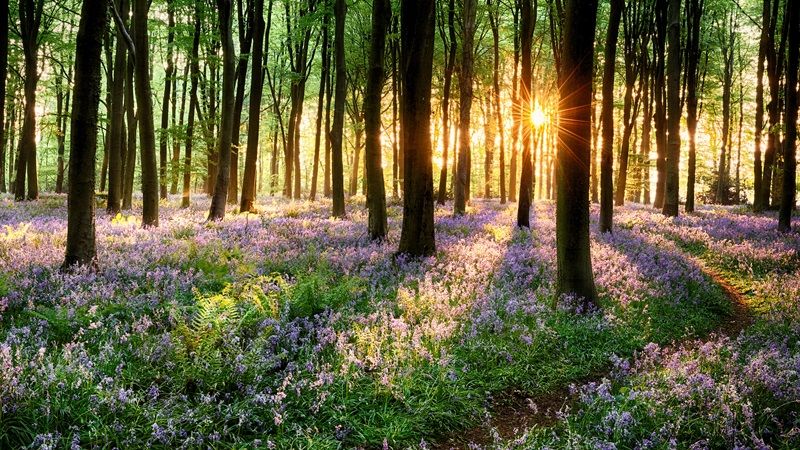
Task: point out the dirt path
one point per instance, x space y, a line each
513 411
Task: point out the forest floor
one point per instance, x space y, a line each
288 329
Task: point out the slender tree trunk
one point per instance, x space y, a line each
469 11
83 141
168 77
176 143
339 13
376 190
526 31
218 200
245 34
790 144
574 274
498 112
759 119
129 168
3 73
117 119
417 39
448 79
323 78
254 124
659 94
607 117
694 15
774 71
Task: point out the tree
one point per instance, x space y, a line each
790 143
254 121
494 22
30 31
144 101
607 117
451 48
219 199
168 77
376 190
117 119
195 75
337 169
525 179
574 272
321 110
469 17
694 13
83 140
673 70
3 74
417 18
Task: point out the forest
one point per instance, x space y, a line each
386 224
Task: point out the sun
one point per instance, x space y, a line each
538 117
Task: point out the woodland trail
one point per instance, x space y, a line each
513 411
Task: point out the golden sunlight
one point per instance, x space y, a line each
538 116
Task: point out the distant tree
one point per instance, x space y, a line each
417 19
83 140
574 274
376 190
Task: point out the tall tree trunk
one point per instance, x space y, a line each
218 200
448 79
417 38
83 141
245 41
790 144
323 81
673 70
339 13
328 97
62 112
469 11
763 48
195 74
3 74
168 77
694 15
525 179
515 102
774 71
117 119
376 190
176 143
254 119
607 117
494 21
574 274
129 167
144 100
659 95
30 20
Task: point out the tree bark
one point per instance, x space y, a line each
195 74
254 119
469 15
607 117
526 32
673 109
117 119
3 74
417 38
168 77
448 79
337 175
83 140
694 15
323 82
790 144
574 274
763 48
376 190
220 196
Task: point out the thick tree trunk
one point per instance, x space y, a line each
574 274
337 175
83 141
376 190
526 32
220 196
254 119
774 71
469 11
417 38
144 101
789 150
607 117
